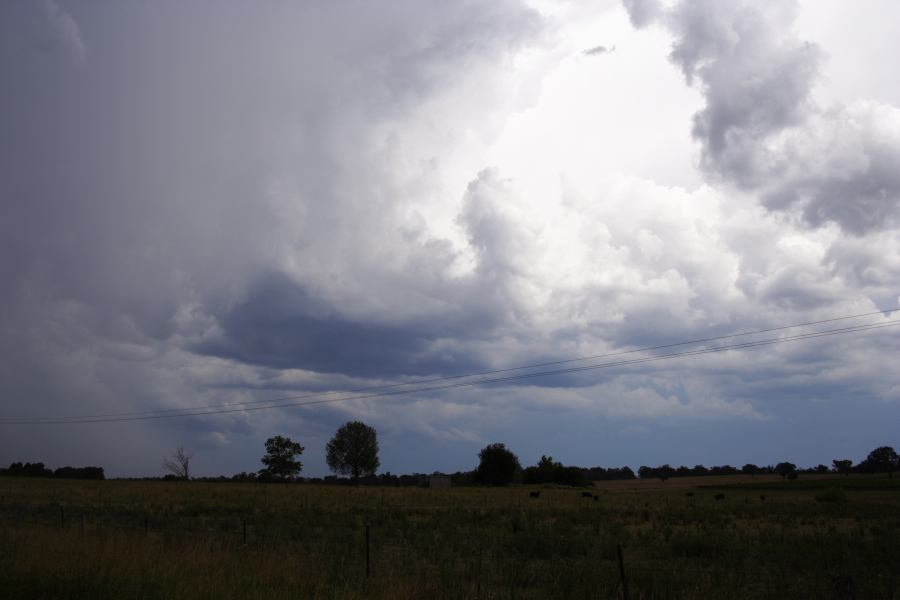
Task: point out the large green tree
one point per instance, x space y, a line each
279 460
497 465
353 450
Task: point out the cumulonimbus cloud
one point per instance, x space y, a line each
235 204
761 130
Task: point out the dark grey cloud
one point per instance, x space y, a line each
281 325
158 164
168 175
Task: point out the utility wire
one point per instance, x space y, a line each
458 384
249 403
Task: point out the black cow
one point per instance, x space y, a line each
536 494
719 496
586 495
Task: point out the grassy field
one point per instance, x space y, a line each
827 537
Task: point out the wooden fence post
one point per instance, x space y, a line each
622 573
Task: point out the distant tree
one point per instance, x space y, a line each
93 473
179 464
353 450
627 473
664 472
545 471
601 474
550 471
842 466
723 470
883 459
785 469
79 473
548 466
821 469
37 469
279 461
574 476
497 465
750 469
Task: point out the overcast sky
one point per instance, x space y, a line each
205 203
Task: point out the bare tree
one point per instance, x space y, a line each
179 463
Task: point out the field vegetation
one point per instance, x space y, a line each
825 537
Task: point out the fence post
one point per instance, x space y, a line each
368 570
622 573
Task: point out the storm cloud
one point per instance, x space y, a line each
211 204
761 129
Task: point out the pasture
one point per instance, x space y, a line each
827 537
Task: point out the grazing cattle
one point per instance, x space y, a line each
720 496
596 498
586 495
536 494
762 498
690 494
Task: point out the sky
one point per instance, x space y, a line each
204 204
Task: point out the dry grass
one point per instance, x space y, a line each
185 540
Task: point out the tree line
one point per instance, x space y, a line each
353 453
883 459
500 466
38 469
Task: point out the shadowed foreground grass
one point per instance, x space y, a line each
828 538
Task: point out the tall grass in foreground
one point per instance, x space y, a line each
69 539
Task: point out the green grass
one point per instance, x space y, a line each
119 539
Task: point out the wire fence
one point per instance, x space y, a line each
366 543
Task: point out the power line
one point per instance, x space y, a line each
282 404
249 403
